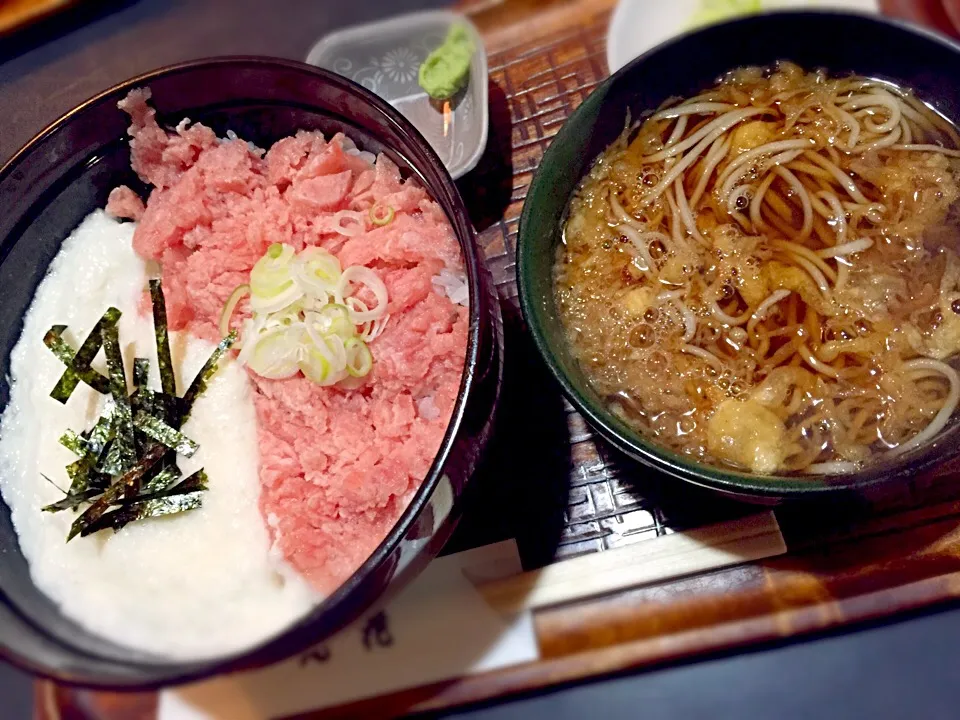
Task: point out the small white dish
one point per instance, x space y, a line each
385 57
640 25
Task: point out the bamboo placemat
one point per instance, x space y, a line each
563 493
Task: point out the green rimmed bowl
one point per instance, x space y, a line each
839 42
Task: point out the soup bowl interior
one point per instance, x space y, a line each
840 43
66 172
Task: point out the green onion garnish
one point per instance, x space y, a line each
382 214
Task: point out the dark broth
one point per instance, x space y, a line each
766 276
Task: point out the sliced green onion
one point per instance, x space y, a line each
289 297
359 358
322 265
373 328
316 272
236 296
270 277
314 365
275 354
306 317
382 215
360 275
356 224
336 347
333 319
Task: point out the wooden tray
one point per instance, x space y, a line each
15 14
562 492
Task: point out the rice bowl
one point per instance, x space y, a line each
344 582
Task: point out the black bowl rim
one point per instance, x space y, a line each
181 672
741 484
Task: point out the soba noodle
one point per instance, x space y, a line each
766 276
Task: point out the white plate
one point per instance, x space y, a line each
385 57
639 25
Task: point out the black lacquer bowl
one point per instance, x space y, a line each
66 172
842 44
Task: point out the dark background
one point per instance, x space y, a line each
903 669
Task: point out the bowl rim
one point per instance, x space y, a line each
172 672
726 480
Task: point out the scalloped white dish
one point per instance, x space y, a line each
385 58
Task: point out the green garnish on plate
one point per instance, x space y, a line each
710 12
447 69
127 462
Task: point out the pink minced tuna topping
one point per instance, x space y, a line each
337 467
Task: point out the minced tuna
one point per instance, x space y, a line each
337 466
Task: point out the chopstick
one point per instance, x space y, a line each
650 561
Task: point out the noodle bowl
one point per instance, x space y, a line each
766 275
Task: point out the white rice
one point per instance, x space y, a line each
190 586
453 285
231 136
427 408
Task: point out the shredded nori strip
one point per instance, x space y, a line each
165 435
53 483
141 371
61 348
113 493
158 404
123 438
79 467
58 346
185 496
196 481
162 480
79 473
74 443
143 509
87 471
164 362
100 481
127 462
110 460
72 500
101 433
199 383
81 361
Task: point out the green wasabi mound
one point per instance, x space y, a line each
447 68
